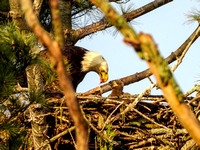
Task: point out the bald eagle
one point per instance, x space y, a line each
81 62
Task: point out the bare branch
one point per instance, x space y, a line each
146 73
58 136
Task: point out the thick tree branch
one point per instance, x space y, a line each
103 24
145 9
65 8
37 111
147 49
56 53
146 73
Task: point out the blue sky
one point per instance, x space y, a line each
168 26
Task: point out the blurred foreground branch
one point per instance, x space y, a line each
54 49
147 49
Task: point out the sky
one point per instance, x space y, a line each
169 27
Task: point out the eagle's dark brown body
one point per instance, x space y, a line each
75 57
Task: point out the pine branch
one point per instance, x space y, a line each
103 24
145 9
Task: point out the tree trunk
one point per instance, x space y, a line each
37 111
17 15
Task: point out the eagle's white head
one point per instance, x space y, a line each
93 61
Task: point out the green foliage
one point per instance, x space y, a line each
37 97
48 73
4 7
16 46
102 143
15 56
12 135
7 80
194 16
12 126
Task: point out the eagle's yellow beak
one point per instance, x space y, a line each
103 77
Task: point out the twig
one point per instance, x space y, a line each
108 119
131 105
141 114
149 140
195 88
58 136
133 137
179 60
194 99
21 89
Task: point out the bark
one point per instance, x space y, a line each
39 126
37 111
35 84
17 15
65 8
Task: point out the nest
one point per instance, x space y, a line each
123 123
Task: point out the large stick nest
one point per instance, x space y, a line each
119 123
